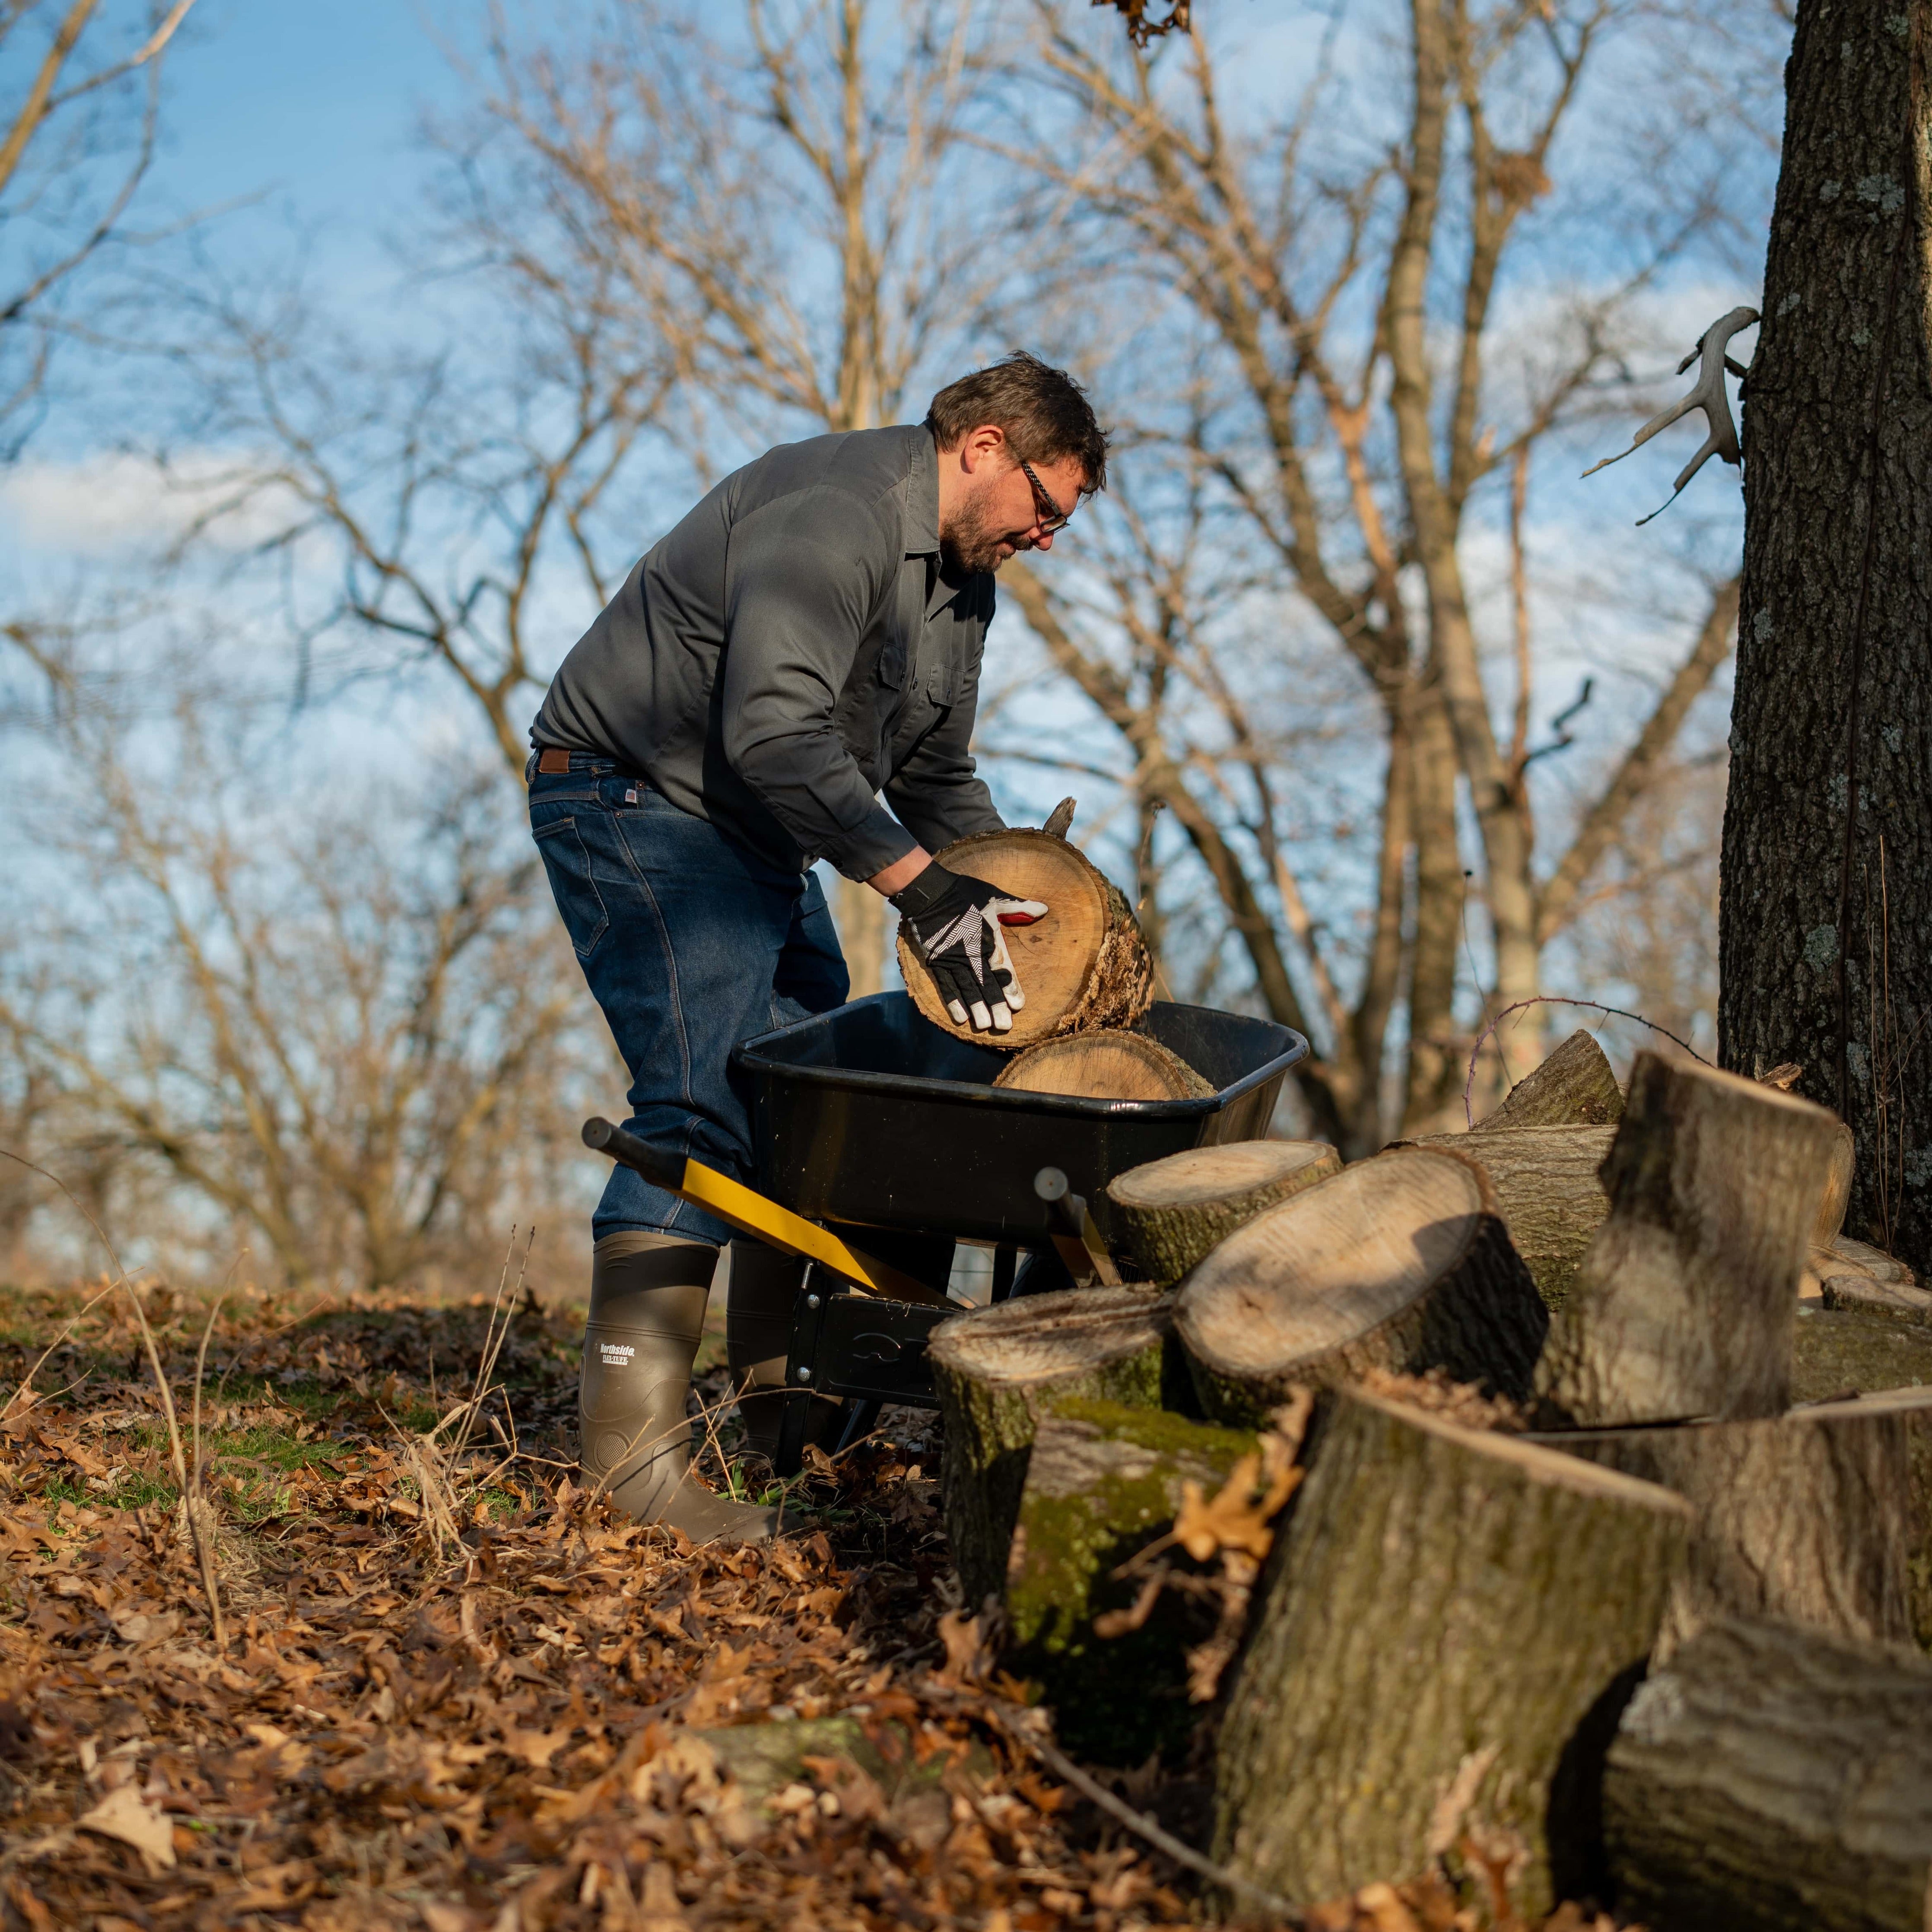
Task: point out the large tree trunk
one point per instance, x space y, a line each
1825 946
1778 1780
1685 1303
1447 1632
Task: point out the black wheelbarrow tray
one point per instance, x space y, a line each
870 1115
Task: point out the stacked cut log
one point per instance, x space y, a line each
997 1370
1176 1211
1454 1620
1104 1482
1105 1064
1775 1778
1399 1264
1084 966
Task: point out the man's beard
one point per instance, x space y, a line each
972 544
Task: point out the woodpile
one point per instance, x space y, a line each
1554 1516
1084 966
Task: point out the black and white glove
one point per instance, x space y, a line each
955 922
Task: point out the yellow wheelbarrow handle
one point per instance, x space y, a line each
752 1212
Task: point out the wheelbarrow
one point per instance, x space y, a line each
881 1141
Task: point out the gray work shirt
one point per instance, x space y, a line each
791 647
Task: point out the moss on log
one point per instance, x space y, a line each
1775 1779
1448 1611
1847 1352
1102 1483
995 1369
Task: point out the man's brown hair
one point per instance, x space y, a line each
1044 411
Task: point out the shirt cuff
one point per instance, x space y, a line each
866 851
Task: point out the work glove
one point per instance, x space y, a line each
955 922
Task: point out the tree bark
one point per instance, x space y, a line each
1685 1303
1104 1481
1574 1087
1082 966
996 1368
1776 1779
1108 1063
1825 898
1447 1632
1176 1211
1547 1192
1845 1351
1399 1263
1808 1516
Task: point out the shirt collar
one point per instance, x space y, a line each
921 497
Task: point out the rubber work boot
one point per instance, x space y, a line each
647 1297
757 1341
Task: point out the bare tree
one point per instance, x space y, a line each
1348 289
356 1050
709 232
77 135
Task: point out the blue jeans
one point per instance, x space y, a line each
691 942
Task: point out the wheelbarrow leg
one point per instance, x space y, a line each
862 1417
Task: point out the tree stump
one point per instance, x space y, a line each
1399 1263
1084 965
1684 1304
1109 1063
1574 1087
1451 1625
1774 1779
996 1369
1103 1482
1810 1516
1847 1352
1547 1191
1174 1211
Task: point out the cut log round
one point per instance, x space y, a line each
1837 1193
1175 1210
1574 1087
997 1368
1109 1063
1893 1298
1776 1779
1684 1304
1809 1517
1445 1638
1548 1192
1084 965
1398 1263
1103 1482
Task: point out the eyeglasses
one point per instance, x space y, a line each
1051 516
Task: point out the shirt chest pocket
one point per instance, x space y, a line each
949 682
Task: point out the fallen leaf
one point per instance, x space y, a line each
1237 1516
125 1814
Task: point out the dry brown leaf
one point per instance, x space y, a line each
1237 1517
124 1813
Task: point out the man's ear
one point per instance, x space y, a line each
980 446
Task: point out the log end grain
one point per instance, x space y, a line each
1108 1063
1176 1211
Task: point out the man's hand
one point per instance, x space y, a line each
955 922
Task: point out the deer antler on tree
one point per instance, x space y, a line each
1708 395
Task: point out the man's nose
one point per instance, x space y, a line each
1044 540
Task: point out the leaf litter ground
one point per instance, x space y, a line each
459 1693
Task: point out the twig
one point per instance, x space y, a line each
1560 1000
1063 1768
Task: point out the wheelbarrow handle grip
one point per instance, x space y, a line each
625 1148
